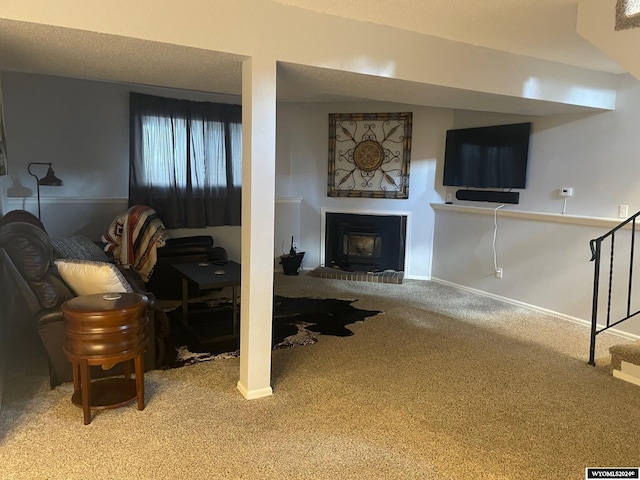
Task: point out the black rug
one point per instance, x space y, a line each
296 321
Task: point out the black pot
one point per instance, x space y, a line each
291 263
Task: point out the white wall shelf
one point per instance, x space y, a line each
540 216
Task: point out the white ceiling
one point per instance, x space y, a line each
50 50
544 29
538 28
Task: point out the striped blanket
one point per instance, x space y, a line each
133 238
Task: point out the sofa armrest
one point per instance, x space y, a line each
133 279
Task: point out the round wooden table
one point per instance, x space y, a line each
104 330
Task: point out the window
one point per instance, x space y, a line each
627 14
186 160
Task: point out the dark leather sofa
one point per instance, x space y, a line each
27 255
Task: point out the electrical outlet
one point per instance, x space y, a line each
295 246
449 197
566 192
499 272
623 211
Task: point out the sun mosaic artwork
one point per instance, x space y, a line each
369 155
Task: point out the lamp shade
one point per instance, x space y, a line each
50 179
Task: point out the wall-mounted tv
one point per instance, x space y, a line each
487 157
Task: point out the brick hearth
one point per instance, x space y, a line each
372 277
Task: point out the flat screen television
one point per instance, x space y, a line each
487 157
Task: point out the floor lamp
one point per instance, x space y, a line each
49 180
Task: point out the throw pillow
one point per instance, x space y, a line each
87 277
79 248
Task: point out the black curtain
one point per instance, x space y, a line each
185 160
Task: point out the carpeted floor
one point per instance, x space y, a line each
444 385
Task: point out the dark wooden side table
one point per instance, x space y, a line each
104 330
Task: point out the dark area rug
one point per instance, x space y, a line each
296 321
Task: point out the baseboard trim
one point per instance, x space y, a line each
254 394
417 277
545 311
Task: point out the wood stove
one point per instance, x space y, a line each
369 243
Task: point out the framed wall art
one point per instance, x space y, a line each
369 155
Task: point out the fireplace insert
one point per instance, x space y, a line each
370 243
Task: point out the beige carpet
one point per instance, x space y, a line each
444 385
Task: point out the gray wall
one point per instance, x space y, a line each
82 127
596 154
302 156
546 261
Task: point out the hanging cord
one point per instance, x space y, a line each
564 206
495 235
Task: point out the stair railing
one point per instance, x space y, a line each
596 250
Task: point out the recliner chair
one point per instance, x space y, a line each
27 255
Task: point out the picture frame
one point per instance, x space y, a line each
369 155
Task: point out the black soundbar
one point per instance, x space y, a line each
488 196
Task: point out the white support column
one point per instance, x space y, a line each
258 210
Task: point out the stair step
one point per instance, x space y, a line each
625 360
629 352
